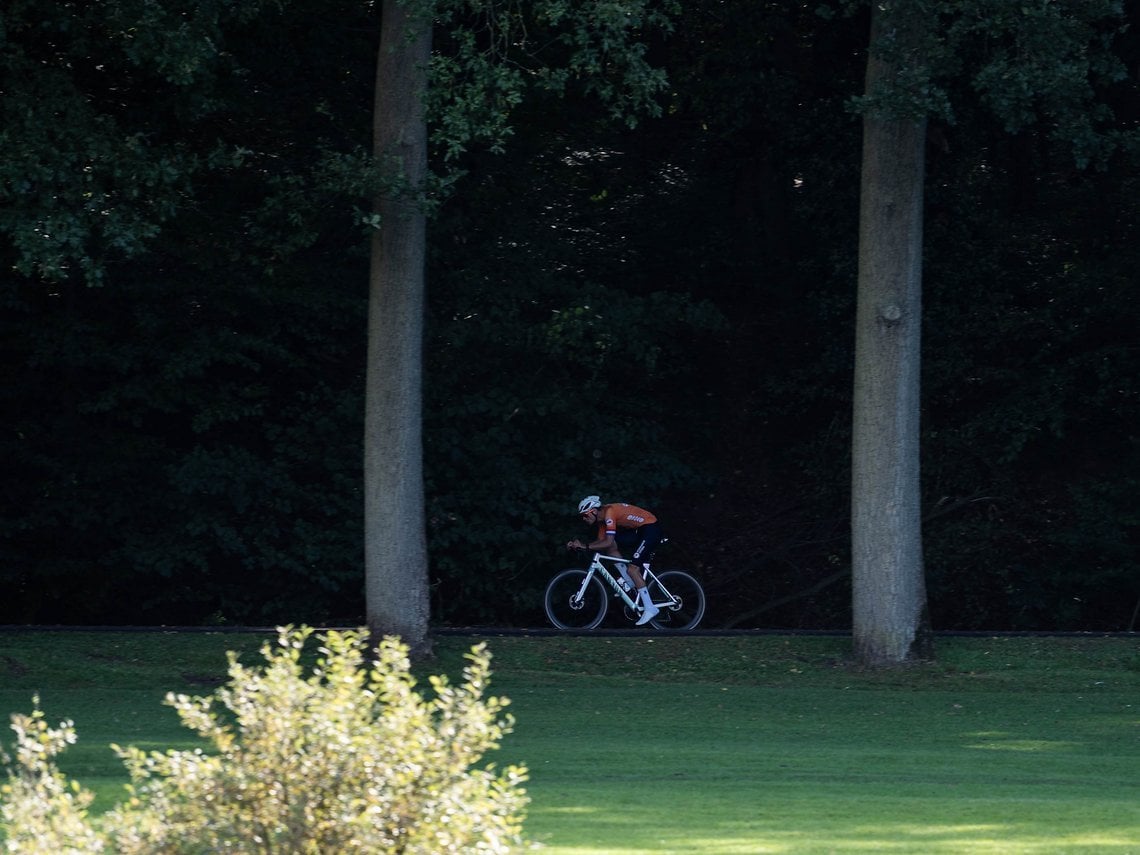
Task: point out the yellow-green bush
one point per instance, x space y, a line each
349 758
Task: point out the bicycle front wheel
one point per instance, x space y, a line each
681 600
569 607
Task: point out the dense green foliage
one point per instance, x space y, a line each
659 314
349 758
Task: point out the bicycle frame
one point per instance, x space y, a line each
597 566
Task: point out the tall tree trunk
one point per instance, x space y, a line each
889 588
396 570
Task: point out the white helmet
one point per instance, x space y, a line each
589 503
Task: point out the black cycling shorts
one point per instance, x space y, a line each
643 541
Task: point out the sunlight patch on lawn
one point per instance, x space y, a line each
912 839
688 846
813 845
1000 742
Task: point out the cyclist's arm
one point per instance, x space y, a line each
604 544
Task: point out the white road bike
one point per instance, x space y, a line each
578 599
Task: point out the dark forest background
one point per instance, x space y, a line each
660 314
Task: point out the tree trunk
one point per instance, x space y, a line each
396 569
889 589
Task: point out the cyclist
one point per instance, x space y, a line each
620 524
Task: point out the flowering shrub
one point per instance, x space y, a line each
42 812
350 758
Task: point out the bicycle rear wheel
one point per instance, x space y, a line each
566 610
688 601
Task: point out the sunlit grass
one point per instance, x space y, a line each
720 746
778 745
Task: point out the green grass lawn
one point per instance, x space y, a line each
717 745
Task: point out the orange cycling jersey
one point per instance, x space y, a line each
621 515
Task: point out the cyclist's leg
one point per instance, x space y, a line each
622 568
624 541
649 538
